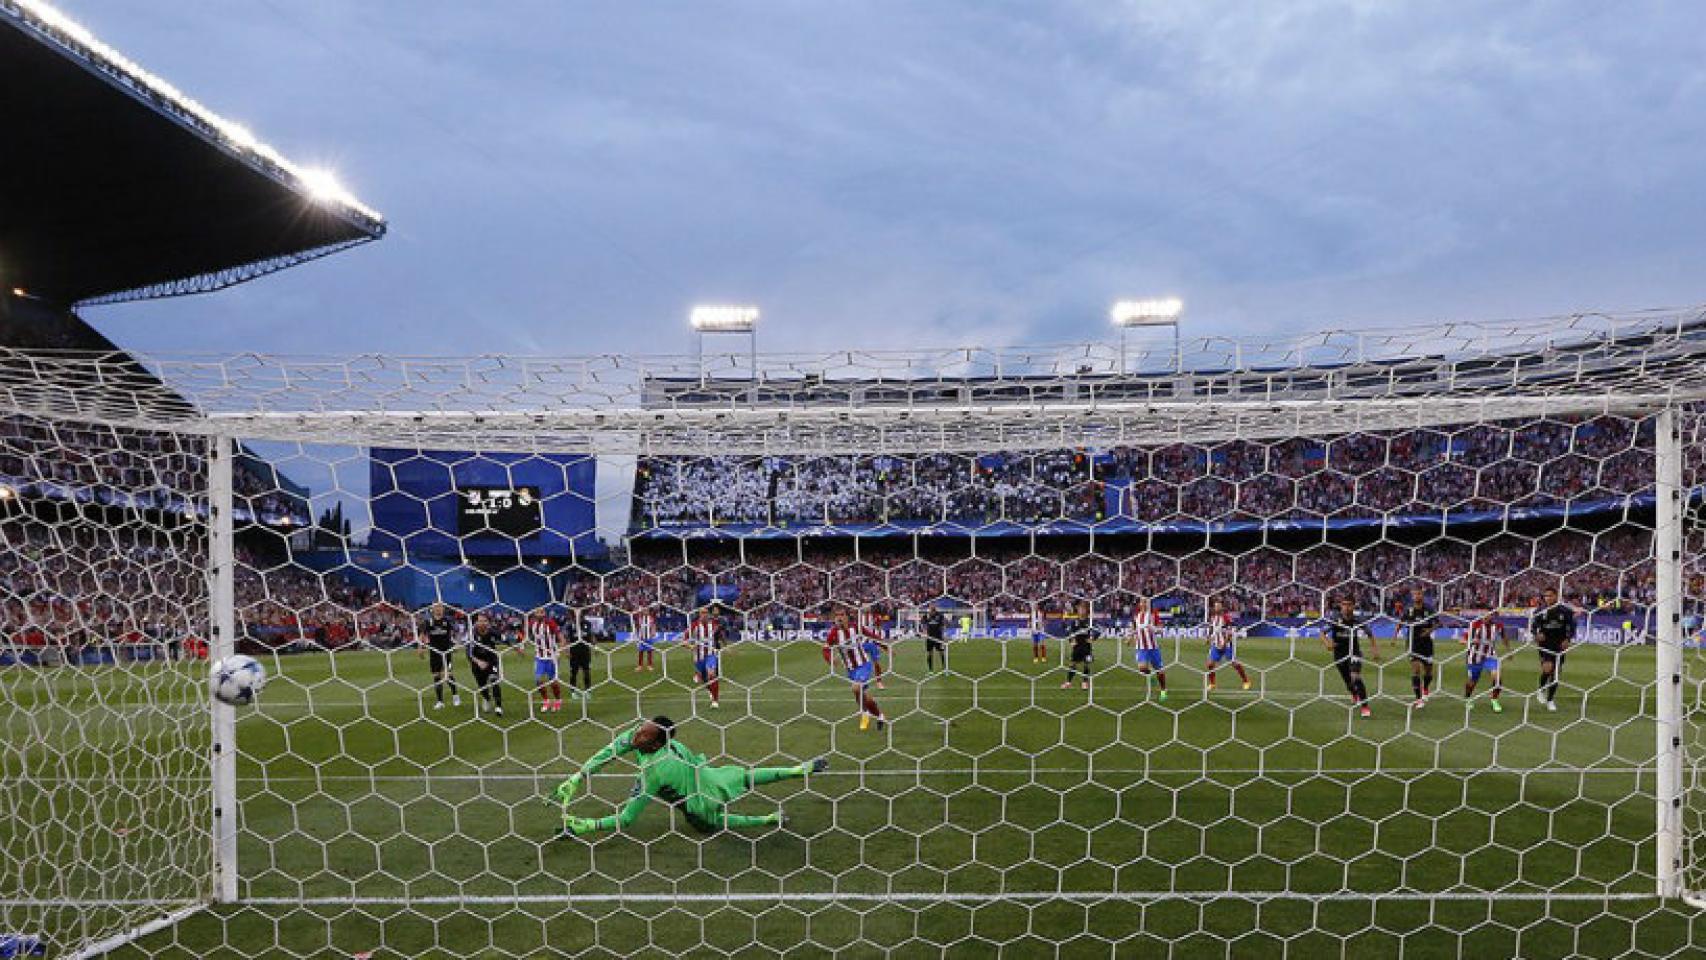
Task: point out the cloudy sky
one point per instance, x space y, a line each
569 177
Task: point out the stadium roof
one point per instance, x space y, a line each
115 185
893 401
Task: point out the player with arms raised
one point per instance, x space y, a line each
1222 643
1146 643
436 635
672 773
703 637
846 642
545 636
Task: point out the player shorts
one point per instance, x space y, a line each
1150 657
544 669
1081 656
1422 650
1218 654
647 644
706 665
873 649
1488 664
1348 659
862 673
1039 638
934 643
439 660
1550 650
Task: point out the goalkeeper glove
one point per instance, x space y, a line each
567 790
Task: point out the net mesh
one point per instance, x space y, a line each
1307 524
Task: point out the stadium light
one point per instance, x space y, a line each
724 319
1158 312
708 319
323 186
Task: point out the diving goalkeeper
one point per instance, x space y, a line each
672 773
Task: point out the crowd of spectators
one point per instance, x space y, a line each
1482 467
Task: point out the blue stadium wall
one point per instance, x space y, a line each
415 503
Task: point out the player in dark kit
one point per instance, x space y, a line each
483 646
580 655
1421 622
935 638
1083 641
1553 629
1343 636
437 638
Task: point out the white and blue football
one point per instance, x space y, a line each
237 680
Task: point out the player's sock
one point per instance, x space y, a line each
1161 679
870 705
1428 680
738 820
715 686
1416 684
1468 690
759 776
438 690
1210 678
1241 674
1496 692
1360 691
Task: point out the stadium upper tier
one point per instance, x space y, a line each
117 185
1500 472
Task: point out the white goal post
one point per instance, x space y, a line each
1455 473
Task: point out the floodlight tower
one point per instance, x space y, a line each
723 319
1163 312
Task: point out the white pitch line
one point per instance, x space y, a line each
1032 896
927 774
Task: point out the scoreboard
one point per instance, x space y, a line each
471 504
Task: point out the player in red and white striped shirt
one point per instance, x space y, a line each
546 638
870 626
1146 641
1222 643
1484 635
848 643
645 636
1039 634
702 636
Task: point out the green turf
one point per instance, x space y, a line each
992 781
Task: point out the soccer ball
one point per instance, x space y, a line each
237 679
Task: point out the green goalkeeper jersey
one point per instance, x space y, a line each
674 774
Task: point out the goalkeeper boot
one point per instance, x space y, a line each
819 765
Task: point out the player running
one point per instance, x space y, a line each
1421 622
703 637
1484 636
1343 638
876 642
672 773
1083 651
1222 643
545 636
1146 643
846 642
436 636
1039 634
1553 628
935 638
645 630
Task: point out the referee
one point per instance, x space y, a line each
1553 629
1343 637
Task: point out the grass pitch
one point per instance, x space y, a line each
998 812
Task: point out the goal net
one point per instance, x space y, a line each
1379 641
